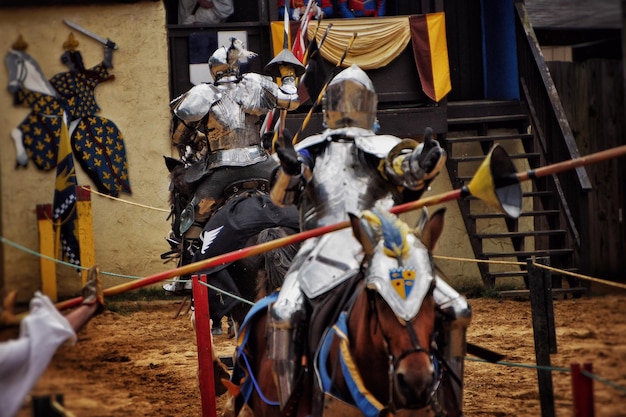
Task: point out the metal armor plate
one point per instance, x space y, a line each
343 181
334 258
196 103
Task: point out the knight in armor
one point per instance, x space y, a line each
217 131
97 142
348 168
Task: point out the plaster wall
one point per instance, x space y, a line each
128 232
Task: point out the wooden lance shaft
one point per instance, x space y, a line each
307 119
283 113
572 163
299 237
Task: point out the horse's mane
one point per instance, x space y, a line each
276 262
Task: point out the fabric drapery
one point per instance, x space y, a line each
64 204
380 40
430 48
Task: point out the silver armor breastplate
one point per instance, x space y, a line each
342 182
233 119
229 127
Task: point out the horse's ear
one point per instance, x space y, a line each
433 229
422 219
363 233
172 163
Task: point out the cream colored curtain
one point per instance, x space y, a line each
379 41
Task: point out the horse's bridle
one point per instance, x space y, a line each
417 348
20 69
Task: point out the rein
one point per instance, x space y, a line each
393 362
367 403
22 72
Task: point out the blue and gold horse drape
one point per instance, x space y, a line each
96 141
41 130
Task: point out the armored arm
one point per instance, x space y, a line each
292 174
414 165
287 98
195 103
286 68
108 56
188 111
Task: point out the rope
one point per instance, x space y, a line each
124 201
603 380
113 274
236 297
552 369
60 409
451 258
551 268
598 280
24 249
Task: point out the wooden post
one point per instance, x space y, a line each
205 349
47 267
540 296
42 405
582 391
85 230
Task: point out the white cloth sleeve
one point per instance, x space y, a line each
23 360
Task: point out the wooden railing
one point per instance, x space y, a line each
553 134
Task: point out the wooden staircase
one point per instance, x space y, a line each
473 128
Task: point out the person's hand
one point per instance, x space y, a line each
206 4
428 158
287 154
92 291
318 11
296 14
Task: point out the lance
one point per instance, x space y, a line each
306 120
301 79
321 42
496 182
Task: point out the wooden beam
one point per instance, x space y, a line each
47 267
85 230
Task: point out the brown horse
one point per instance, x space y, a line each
374 353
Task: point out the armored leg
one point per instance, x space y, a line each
456 316
285 316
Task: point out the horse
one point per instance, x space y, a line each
39 130
254 276
374 350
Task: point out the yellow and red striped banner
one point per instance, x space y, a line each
430 48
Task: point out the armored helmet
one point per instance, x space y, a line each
350 100
220 67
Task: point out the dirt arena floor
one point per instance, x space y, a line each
138 360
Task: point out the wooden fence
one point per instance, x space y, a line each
592 94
